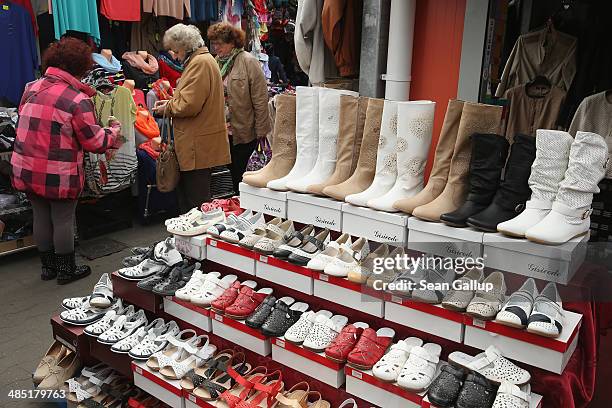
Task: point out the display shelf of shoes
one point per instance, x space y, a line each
239 333
313 364
557 263
517 344
188 312
284 273
192 247
375 225
193 401
165 390
364 385
131 293
72 337
231 255
321 212
439 239
263 200
432 319
120 362
349 294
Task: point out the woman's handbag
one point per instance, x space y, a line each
168 172
260 156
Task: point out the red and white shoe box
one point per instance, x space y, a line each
432 319
233 256
535 402
315 365
284 273
188 313
364 385
165 390
319 211
192 247
347 293
439 239
553 263
529 348
375 225
263 200
239 333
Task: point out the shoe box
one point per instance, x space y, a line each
263 200
321 212
375 225
439 239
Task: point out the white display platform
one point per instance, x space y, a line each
188 313
520 345
535 402
346 293
364 385
231 255
439 239
165 390
315 365
554 263
193 401
321 212
432 319
263 200
375 225
192 247
239 333
284 273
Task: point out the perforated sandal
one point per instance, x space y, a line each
75 302
123 327
339 349
311 246
517 309
102 295
212 288
459 299
197 224
259 316
547 316
486 304
86 315
370 348
282 318
259 232
441 278
177 279
193 287
196 376
477 391
143 270
211 390
128 343
216 229
194 212
297 333
348 258
293 242
492 365
246 303
193 355
420 368
155 340
512 396
388 368
275 237
323 332
229 295
331 251
104 324
445 388
174 343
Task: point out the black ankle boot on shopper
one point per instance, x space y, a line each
47 269
67 269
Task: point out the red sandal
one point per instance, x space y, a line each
246 302
342 345
243 387
265 395
370 348
227 298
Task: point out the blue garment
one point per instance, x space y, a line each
112 67
18 50
76 15
204 10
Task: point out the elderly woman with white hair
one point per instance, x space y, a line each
197 110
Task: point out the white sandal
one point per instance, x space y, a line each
324 331
300 329
123 327
102 325
125 345
547 315
212 288
517 309
512 396
492 364
173 349
197 224
388 368
243 227
155 340
194 355
420 368
194 285
75 302
102 295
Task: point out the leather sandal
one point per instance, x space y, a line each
243 387
371 346
246 302
227 372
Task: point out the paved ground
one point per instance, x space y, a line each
27 304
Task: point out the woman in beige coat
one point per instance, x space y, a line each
246 95
197 111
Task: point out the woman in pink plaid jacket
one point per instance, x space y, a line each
56 125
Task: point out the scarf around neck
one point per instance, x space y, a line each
226 63
113 66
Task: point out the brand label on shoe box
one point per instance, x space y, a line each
374 225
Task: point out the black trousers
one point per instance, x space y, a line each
53 224
240 157
193 189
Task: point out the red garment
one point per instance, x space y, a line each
146 146
56 124
27 4
121 10
139 97
165 71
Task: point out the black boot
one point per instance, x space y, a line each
489 152
48 269
514 191
67 269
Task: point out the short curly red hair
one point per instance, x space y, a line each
226 33
69 54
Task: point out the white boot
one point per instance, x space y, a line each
547 171
329 112
307 136
414 129
386 159
571 212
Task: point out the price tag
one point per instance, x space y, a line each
192 398
479 323
356 374
213 243
263 259
280 343
218 318
138 370
323 277
396 299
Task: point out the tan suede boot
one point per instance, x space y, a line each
366 165
475 118
442 160
351 120
283 147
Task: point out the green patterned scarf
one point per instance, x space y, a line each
226 63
